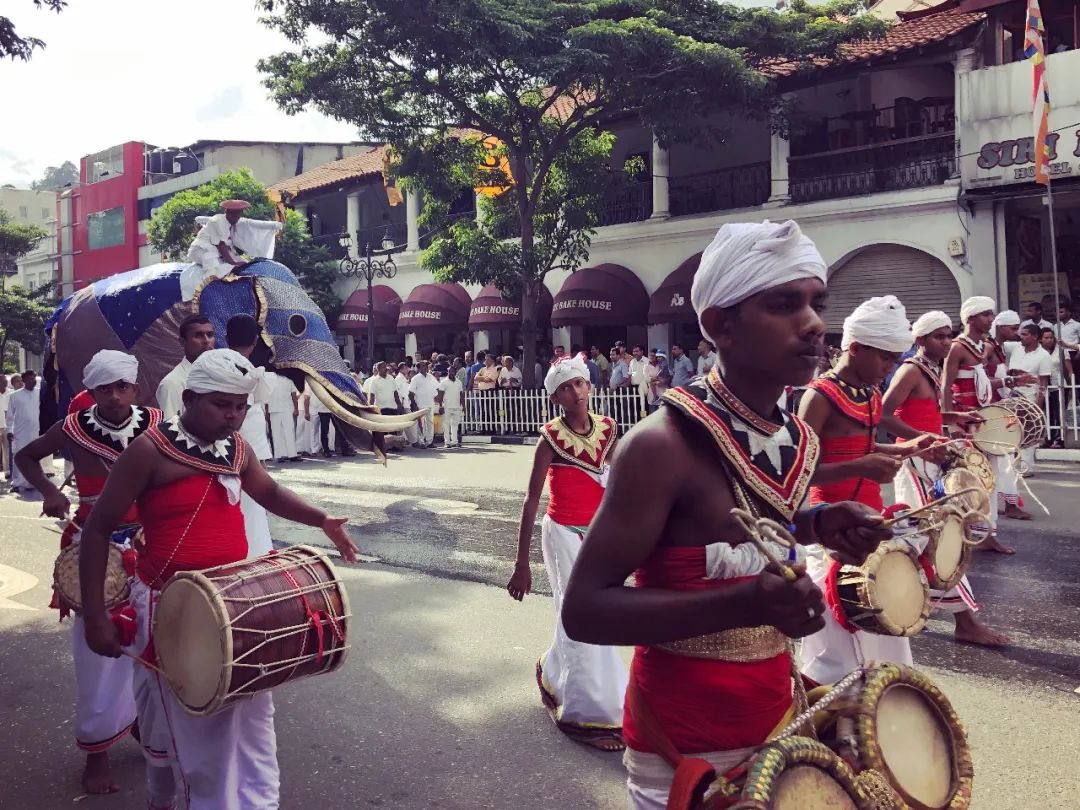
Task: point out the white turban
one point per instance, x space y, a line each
930 322
564 371
109 366
1006 318
223 371
746 258
975 305
880 323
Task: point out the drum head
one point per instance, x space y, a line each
916 745
66 577
805 787
1001 433
950 547
900 592
192 643
959 479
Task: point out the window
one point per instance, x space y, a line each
45 213
106 164
24 212
105 228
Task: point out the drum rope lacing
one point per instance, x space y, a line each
317 619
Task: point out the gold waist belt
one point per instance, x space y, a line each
739 645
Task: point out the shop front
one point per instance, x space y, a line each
435 318
495 321
671 316
352 323
598 306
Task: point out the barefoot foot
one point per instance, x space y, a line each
1016 513
970 630
97 777
991 543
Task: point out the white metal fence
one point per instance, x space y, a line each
1062 424
526 411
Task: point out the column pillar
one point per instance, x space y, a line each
412 215
560 336
779 185
352 221
965 61
660 337
661 172
481 341
350 352
410 345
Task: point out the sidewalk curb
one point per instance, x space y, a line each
515 440
1047 454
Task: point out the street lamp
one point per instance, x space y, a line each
369 268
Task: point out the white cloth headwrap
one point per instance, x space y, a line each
1005 318
109 366
223 371
881 323
975 305
746 258
564 371
930 322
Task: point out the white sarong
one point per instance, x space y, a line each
587 682
104 694
283 433
648 776
227 760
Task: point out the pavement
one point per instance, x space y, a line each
437 705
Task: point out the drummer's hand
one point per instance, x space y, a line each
793 608
879 467
851 530
965 420
55 505
334 528
102 636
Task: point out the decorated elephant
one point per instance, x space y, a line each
140 312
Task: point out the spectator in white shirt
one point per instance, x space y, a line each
283 410
451 401
1029 357
383 390
1034 312
509 376
422 390
1049 342
1068 332
637 370
706 357
5 446
404 375
196 337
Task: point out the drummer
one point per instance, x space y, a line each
712 677
187 475
843 406
914 402
93 438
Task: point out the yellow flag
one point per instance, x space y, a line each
492 161
393 195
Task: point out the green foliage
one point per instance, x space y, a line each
56 177
16 240
173 227
19 47
541 76
22 317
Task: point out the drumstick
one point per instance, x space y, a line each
752 529
931 505
144 662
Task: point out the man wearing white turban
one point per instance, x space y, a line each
975 375
844 408
914 403
186 475
93 439
581 685
706 689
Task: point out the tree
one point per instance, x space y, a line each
173 227
22 317
17 47
57 177
15 242
540 76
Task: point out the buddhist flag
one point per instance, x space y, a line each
1035 50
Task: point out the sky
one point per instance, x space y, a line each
160 71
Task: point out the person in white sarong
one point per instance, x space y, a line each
221 243
284 411
23 424
581 685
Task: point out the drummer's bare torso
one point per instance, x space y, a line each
835 424
920 385
163 470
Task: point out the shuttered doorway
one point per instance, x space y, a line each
919 280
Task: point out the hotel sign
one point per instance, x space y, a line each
1013 161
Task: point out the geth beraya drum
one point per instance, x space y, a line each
888 594
895 721
66 578
236 630
1012 424
949 546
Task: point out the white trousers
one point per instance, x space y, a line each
192 276
104 694
302 434
833 652
256 526
450 426
426 429
18 442
1008 484
913 485
587 681
227 760
5 452
283 433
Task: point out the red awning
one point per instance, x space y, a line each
671 301
490 310
435 306
607 294
354 314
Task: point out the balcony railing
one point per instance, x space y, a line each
733 187
627 203
907 163
878 125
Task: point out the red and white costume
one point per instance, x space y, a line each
228 760
105 700
914 481
709 701
581 684
834 651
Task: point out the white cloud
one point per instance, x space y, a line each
152 70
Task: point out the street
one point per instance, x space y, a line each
437 705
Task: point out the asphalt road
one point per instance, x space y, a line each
437 705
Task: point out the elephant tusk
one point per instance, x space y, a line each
374 422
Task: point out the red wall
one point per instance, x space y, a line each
112 192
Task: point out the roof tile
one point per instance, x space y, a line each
345 170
